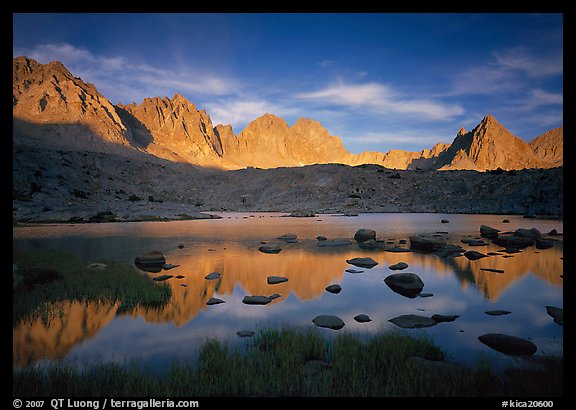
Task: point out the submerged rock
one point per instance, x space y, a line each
270 248
162 278
510 345
413 321
333 242
288 237
428 243
444 318
497 312
245 333
213 276
328 321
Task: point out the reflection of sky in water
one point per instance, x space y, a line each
229 245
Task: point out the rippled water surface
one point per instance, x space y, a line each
89 333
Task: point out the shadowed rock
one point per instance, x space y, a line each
363 235
270 248
444 318
334 288
362 318
398 266
214 301
473 255
510 345
488 232
557 313
272 280
150 262
406 284
329 321
362 262
413 321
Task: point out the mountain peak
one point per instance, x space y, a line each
489 119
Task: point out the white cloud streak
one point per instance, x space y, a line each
380 99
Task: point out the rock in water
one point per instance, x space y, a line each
214 301
557 313
151 261
506 344
362 318
270 248
334 288
413 321
272 280
329 321
406 284
256 300
213 275
398 266
363 235
362 262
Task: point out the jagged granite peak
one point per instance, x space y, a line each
488 146
54 108
176 128
227 137
549 147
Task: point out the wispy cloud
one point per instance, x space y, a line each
122 80
240 112
520 59
507 70
380 98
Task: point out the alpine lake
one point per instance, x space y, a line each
515 288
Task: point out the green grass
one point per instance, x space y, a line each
284 362
120 283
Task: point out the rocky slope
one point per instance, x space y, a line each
60 185
549 146
53 108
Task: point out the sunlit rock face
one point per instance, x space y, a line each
549 147
489 146
53 108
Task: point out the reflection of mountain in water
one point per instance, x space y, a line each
78 321
309 270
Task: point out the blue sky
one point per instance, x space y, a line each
379 81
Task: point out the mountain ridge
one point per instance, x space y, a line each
175 129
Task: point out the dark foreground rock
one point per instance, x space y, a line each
507 344
413 321
406 284
557 313
366 262
328 321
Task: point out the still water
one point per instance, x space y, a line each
92 333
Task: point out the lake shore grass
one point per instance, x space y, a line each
49 277
292 362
